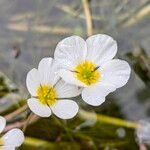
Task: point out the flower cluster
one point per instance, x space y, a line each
79 67
12 139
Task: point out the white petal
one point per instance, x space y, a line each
95 95
69 77
70 51
65 90
33 81
7 148
100 48
38 108
14 137
115 72
47 70
65 109
2 123
43 63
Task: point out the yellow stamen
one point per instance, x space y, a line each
87 73
1 142
46 94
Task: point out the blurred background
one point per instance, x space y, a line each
31 29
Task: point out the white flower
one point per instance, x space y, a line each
90 64
49 93
12 139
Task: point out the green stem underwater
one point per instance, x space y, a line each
109 120
65 128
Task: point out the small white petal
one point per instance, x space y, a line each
33 81
65 90
95 95
100 48
14 138
65 109
38 108
7 148
47 70
69 77
43 63
115 72
70 51
2 123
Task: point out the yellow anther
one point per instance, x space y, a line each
86 73
46 94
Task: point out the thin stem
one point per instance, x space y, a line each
109 120
27 122
20 124
75 13
88 16
65 128
132 14
16 112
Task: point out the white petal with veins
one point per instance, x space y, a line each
38 108
65 90
100 48
115 72
33 81
70 51
65 109
14 138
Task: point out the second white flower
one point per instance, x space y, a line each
49 93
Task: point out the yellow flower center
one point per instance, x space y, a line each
87 73
46 94
1 142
